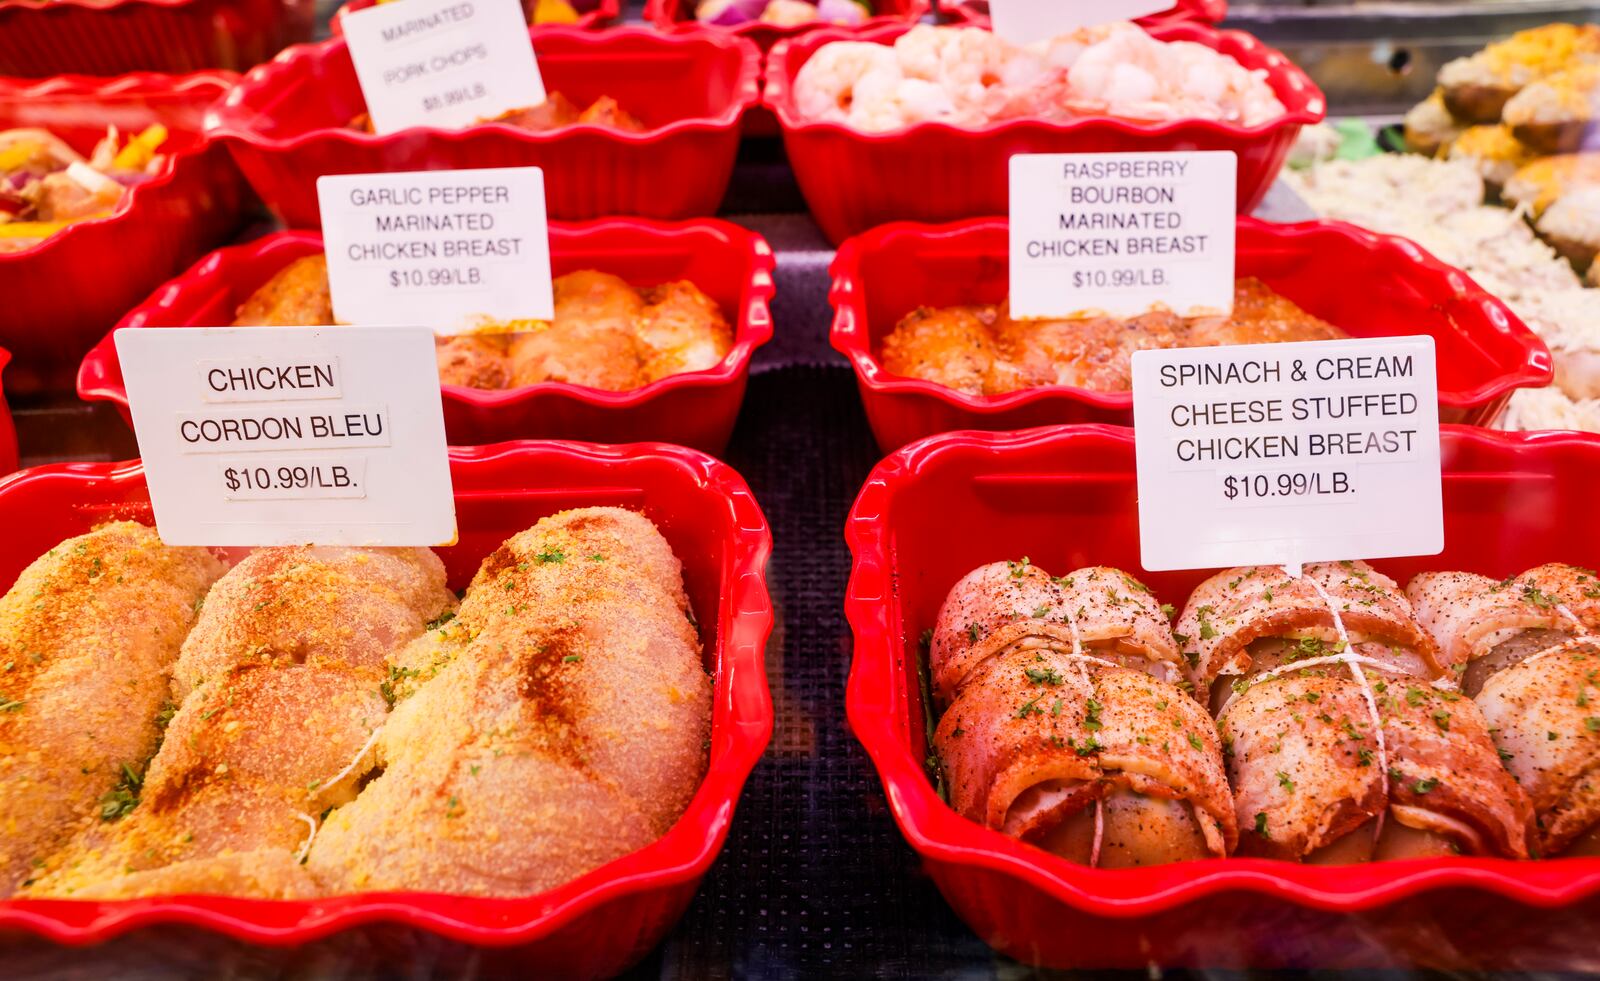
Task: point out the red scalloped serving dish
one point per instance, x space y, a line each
8 433
604 13
111 37
287 124
1065 496
63 294
730 264
595 925
679 15
934 171
976 12
1484 350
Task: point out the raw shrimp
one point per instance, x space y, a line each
825 88
1132 75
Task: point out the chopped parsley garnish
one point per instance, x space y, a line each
572 659
1592 723
1285 782
1030 707
441 619
8 704
1194 740
1019 569
1425 786
1261 825
1091 716
1090 747
554 555
1441 718
124 797
1206 630
1414 696
1167 610
1043 676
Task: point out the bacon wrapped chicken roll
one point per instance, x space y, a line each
280 686
1339 747
1060 729
88 637
1533 666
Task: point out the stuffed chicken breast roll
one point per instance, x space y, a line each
282 684
1055 735
1016 605
558 723
1228 614
1340 746
88 637
1315 780
1484 625
1545 714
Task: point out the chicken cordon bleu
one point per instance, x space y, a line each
278 685
340 722
606 334
89 634
981 350
559 722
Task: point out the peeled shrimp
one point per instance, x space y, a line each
825 88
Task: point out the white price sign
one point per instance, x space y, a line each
1283 454
1121 233
1027 21
446 63
460 250
291 435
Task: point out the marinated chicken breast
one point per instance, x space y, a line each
606 334
953 347
559 722
1545 715
680 329
89 634
281 685
297 296
981 350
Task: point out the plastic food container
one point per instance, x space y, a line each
110 37
733 266
597 924
8 433
287 124
1066 498
937 172
603 13
1484 351
976 12
63 294
669 14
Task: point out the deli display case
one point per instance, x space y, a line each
798 618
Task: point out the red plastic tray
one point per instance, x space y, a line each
1065 496
976 12
63 294
1484 351
679 14
286 125
597 924
605 13
8 434
732 265
110 37
938 172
